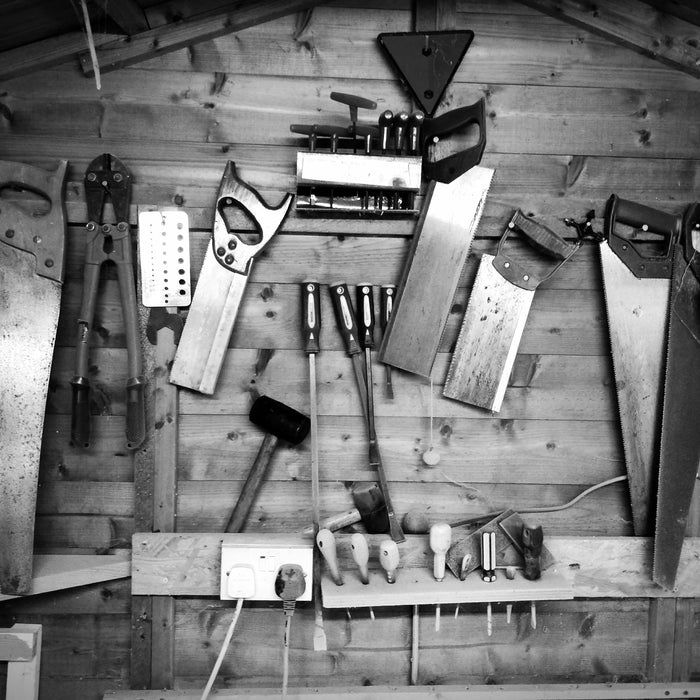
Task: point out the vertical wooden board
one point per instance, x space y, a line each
661 638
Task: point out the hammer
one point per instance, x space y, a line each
370 509
280 422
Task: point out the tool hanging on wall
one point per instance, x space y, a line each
378 181
426 61
280 423
387 294
680 437
449 219
107 177
496 314
311 329
396 154
636 259
164 258
355 339
222 282
32 251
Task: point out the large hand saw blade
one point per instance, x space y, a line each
31 276
496 315
680 437
636 282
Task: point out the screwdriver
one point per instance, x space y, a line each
386 306
365 305
311 328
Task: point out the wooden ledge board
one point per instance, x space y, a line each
600 567
555 691
55 572
416 586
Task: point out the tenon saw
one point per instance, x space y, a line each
32 243
496 314
680 437
636 260
222 283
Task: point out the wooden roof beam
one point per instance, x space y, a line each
45 54
127 51
633 24
126 14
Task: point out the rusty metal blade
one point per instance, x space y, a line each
29 308
637 318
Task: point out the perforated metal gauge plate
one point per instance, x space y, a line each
164 258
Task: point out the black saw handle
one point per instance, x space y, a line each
451 167
643 219
541 237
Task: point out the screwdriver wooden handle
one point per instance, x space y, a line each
311 316
360 554
386 304
440 539
325 540
365 315
389 558
345 317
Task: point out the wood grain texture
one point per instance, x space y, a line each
441 243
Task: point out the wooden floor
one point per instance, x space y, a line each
571 119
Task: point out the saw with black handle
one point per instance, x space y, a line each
496 314
635 256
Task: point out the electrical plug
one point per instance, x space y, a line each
290 584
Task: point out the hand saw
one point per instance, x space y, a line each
32 245
636 261
222 282
680 437
496 314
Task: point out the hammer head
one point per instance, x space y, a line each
279 420
369 501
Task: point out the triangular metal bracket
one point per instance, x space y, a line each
426 61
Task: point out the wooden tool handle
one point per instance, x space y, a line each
440 538
389 558
252 484
325 540
360 554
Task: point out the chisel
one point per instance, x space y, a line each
365 305
386 306
345 318
311 327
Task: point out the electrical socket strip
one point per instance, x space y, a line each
164 258
249 564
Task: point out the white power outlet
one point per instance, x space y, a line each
249 564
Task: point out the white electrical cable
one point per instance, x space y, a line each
224 649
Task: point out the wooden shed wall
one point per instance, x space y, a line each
572 118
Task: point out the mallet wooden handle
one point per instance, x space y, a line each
325 540
252 484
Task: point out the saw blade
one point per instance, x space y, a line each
680 437
29 309
488 340
637 311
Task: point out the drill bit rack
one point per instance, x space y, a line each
360 169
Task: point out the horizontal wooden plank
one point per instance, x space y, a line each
515 451
57 572
86 497
189 564
553 691
536 392
90 533
205 506
521 119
